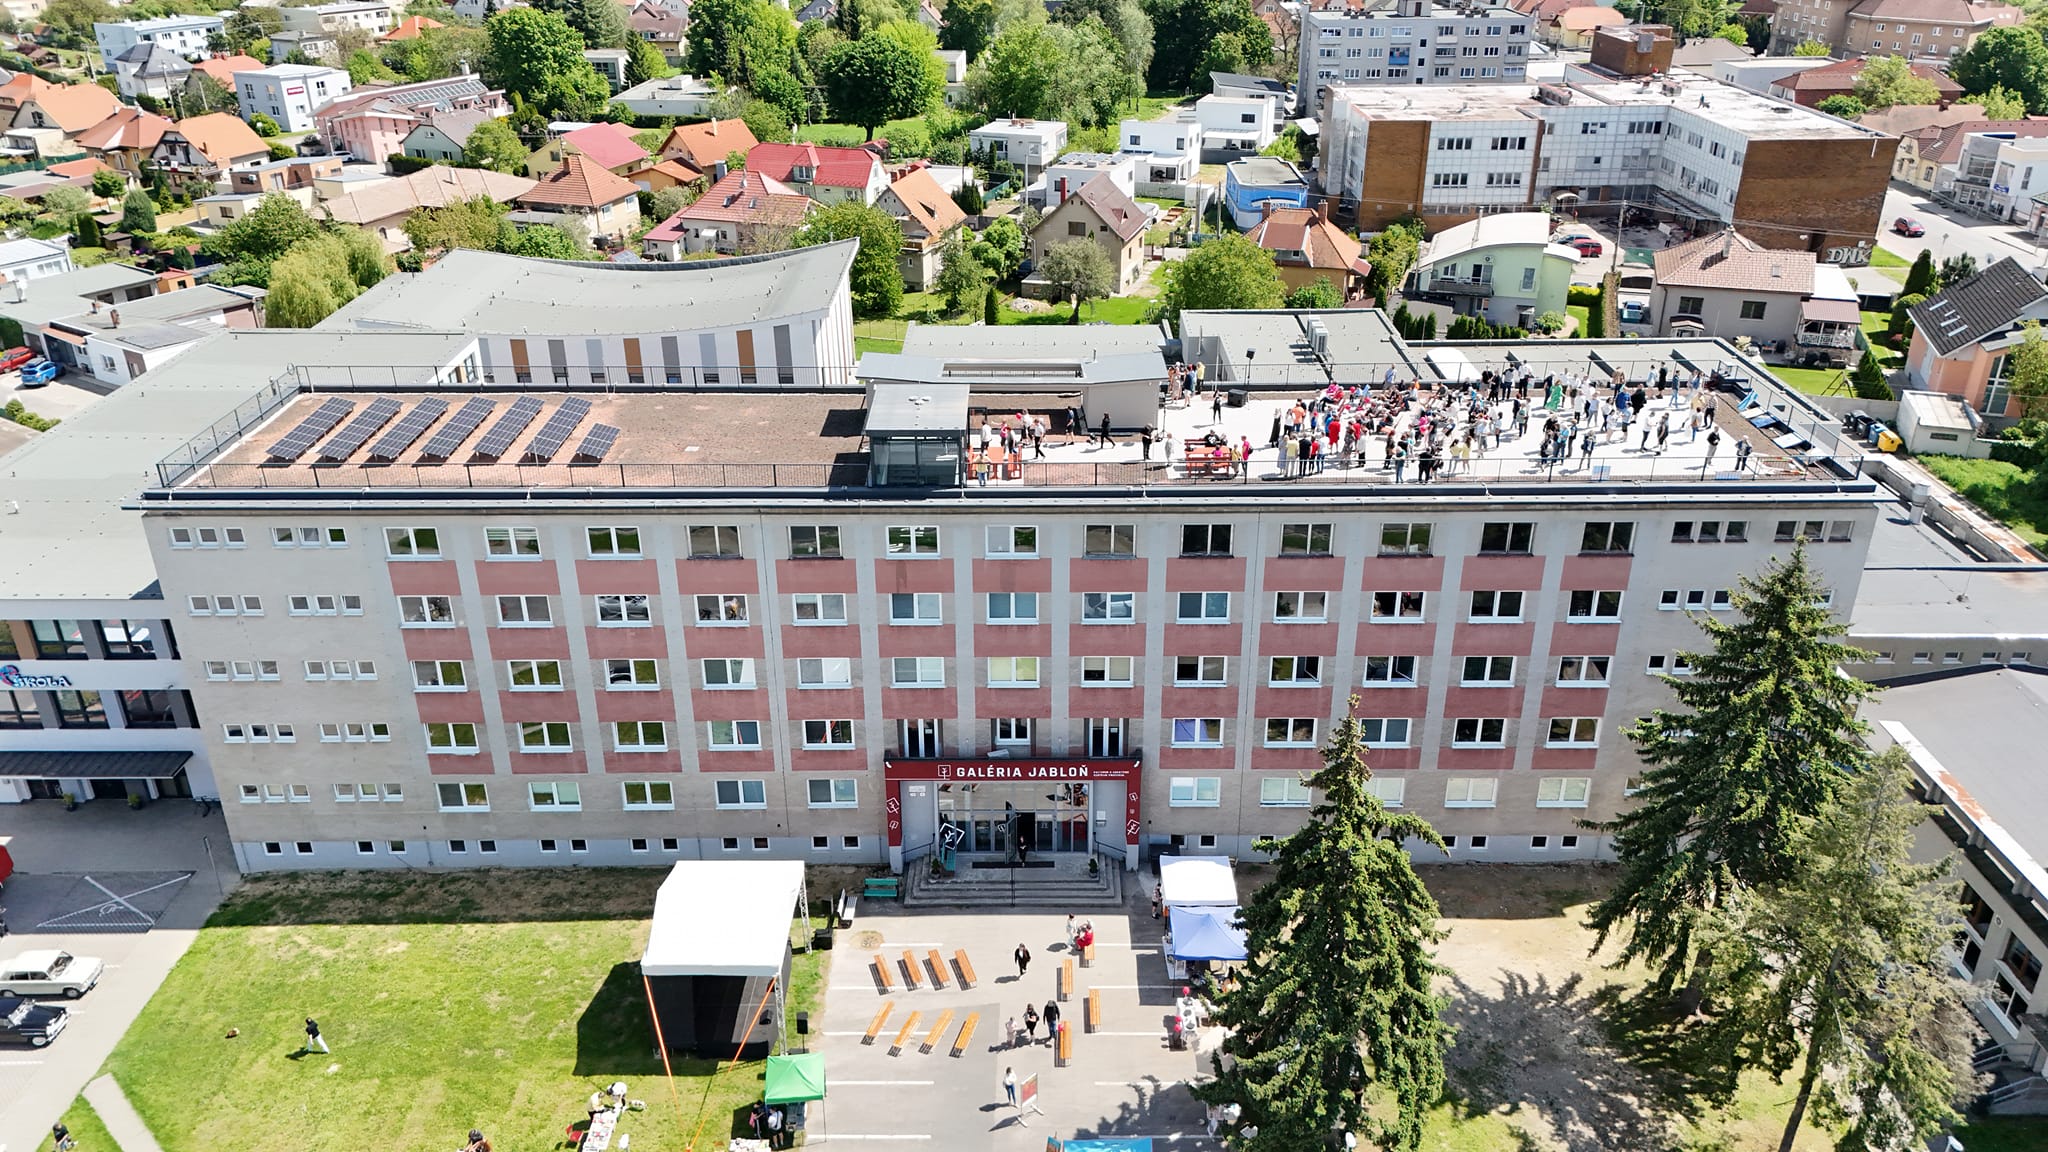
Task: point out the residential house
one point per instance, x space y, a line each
663 27
660 175
185 35
703 146
1931 157
926 213
1501 266
1759 73
1727 285
71 109
1028 144
1572 30
1235 125
1808 87
443 137
744 213
285 175
955 61
1250 183
684 97
1932 30
817 10
35 144
1981 177
1101 212
410 29
1065 175
930 14
1704 53
1168 153
370 124
209 145
151 70
606 204
609 146
352 178
289 93
19 87
1963 336
825 174
1239 86
610 63
1306 248
382 207
221 69
122 342
125 141
34 302
372 16
30 259
1900 119
306 44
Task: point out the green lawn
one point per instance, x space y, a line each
86 1130
490 1000
1582 314
1874 325
1886 258
2002 490
1115 310
1814 381
2004 1134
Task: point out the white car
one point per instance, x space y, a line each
50 972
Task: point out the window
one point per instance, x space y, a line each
59 639
1291 732
1283 792
622 611
1304 539
512 543
813 542
2022 963
544 736
1393 607
1470 792
842 792
1506 536
1563 791
1112 540
464 796
922 738
1811 531
714 542
1573 732
639 736
525 612
1197 732
613 543
565 797
1608 536
1582 671
819 607
1479 732
1013 607
1389 790
1752 309
917 540
1013 671
1488 671
649 795
1691 305
721 611
534 675
1205 540
458 739
1496 607
1108 607
1107 671
734 735
430 675
1203 607
1201 671
740 793
1013 541
1391 671
412 543
1300 607
1294 671
130 639
425 612
1588 607
914 608
1194 791
917 672
825 672
1387 732
1405 539
1010 732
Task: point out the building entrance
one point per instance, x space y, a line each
996 816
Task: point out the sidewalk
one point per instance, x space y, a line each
120 1117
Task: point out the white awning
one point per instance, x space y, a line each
1197 882
723 918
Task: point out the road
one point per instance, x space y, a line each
1951 230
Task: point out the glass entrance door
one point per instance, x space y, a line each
993 815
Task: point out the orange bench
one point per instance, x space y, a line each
875 1025
882 973
1064 1048
967 978
1088 956
1093 1012
903 1036
909 970
931 1039
966 1032
1066 981
938 969
1208 462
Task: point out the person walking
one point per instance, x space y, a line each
1052 1020
1107 439
314 1041
1663 432
60 1137
1145 439
1030 1024
1023 958
1010 1086
1216 406
1010 1033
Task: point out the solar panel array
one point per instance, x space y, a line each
499 436
555 432
312 428
596 443
409 428
358 431
458 428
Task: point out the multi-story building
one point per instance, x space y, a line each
1932 30
185 35
371 16
1412 42
288 93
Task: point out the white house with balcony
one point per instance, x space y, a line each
1029 144
1501 266
185 35
1235 125
1167 153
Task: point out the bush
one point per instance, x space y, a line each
403 165
1586 294
10 332
27 419
264 125
1550 322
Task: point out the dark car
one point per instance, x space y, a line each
1907 226
25 1021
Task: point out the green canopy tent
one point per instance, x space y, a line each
793 1079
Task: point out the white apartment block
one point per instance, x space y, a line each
185 35
1415 42
289 93
372 16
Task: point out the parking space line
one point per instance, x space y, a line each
883 1083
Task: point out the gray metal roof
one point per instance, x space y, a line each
48 297
1962 600
491 293
918 410
1030 339
198 300
1984 305
1043 368
93 765
1987 727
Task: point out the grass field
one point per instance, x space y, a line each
2002 490
491 1000
1886 258
86 1130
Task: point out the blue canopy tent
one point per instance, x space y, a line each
1124 1144
1207 934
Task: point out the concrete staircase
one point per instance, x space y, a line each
1066 885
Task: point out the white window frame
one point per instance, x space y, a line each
821 606
1494 615
542 796
545 737
1393 677
470 795
911 541
840 791
623 610
919 603
1205 605
1387 726
1490 672
1007 608
1398 607
824 672
1292 666
1595 616
1194 791
1471 792
1478 737
1563 791
1011 542
1209 671
531 669
1584 732
420 612
1285 792
612 542
1291 732
1202 737
735 733
639 735
715 610
1109 604
525 617
926 672
648 791
509 543
739 791
1013 671
1105 668
436 675
412 543
738 673
1582 671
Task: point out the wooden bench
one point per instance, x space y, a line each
1063 1046
938 968
966 1033
882 973
910 967
903 1034
938 1032
875 1025
1066 980
965 969
1088 956
1092 1010
880 887
1203 462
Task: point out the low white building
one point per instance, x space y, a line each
1235 125
1067 174
30 259
955 61
680 96
185 35
372 16
1168 153
1029 144
289 93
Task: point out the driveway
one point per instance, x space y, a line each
1951 231
155 860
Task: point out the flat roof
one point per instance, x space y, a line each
1047 367
910 410
1985 600
1271 347
48 297
1753 114
489 293
1029 340
1987 728
1442 101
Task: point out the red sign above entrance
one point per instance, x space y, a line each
985 769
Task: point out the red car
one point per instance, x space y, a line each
14 358
1907 226
1586 245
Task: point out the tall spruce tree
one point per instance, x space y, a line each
1335 1005
1764 734
1920 277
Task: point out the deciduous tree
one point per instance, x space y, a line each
494 145
2014 58
962 279
471 223
877 283
1183 30
537 56
2000 103
1392 251
1127 23
1001 247
138 213
1077 270
1810 48
740 41
1321 294
969 26
1887 81
1844 105
872 81
1227 272
267 232
2027 372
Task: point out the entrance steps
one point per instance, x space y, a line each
1066 885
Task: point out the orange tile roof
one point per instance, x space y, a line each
130 128
741 198
23 86
76 107
1304 230
85 167
926 203
703 145
412 27
221 136
579 183
223 68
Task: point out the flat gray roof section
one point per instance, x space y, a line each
1362 345
918 410
1987 728
164 307
65 535
1960 601
1028 340
46 299
489 293
1048 368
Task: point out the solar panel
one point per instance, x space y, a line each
499 436
555 432
409 428
597 442
458 428
357 431
331 412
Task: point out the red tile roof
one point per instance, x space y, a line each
610 145
831 167
1307 231
741 198
1841 75
703 145
129 128
925 203
223 68
1944 145
412 27
1730 260
579 183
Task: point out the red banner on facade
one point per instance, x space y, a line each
997 769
